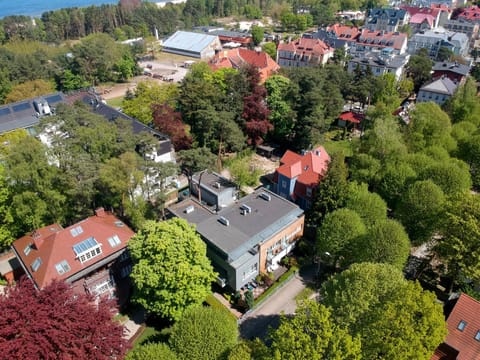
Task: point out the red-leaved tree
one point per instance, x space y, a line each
255 110
56 323
169 122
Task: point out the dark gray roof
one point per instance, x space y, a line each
23 114
213 182
328 37
440 86
227 33
373 59
243 232
394 15
454 67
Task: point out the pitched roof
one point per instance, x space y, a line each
471 13
52 252
348 33
466 309
414 10
307 46
382 39
351 117
189 41
453 67
440 86
235 58
420 18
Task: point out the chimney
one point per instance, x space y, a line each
37 239
100 212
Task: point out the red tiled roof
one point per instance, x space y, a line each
351 117
307 46
382 39
237 57
444 352
344 32
308 169
466 309
420 18
52 244
413 10
470 13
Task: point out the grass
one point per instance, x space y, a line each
147 333
214 303
344 146
304 294
115 102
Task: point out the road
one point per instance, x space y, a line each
256 323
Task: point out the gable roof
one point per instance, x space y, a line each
466 309
382 39
453 67
420 18
415 10
189 41
351 117
440 86
345 32
235 58
52 252
470 13
307 47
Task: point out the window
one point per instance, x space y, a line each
461 325
87 249
62 267
76 231
114 241
250 271
284 184
36 264
27 249
309 191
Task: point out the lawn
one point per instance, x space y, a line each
148 334
115 102
335 146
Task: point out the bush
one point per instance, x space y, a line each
249 299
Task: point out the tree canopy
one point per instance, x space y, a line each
56 323
157 249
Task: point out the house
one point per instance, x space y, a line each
389 20
377 40
336 35
237 37
453 70
216 191
437 91
380 63
471 14
463 26
248 237
91 255
433 40
349 119
26 114
303 52
423 18
197 45
297 177
236 58
463 338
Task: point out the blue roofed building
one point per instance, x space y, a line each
197 45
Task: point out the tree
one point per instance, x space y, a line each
57 323
339 230
444 53
250 350
281 113
464 105
451 175
385 242
204 333
156 250
271 49
257 34
376 303
384 140
331 192
29 89
394 181
169 122
364 168
370 206
195 160
469 150
420 210
419 67
312 334
249 299
6 220
151 351
458 246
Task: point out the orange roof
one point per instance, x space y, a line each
467 310
235 58
52 247
351 117
382 39
413 10
345 32
307 47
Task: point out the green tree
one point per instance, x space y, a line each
419 67
151 351
469 150
204 333
376 303
257 34
281 113
339 230
312 334
451 175
156 250
364 168
444 54
420 210
271 49
250 350
384 140
370 206
385 242
394 181
464 105
6 220
458 247
29 89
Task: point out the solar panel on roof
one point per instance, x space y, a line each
54 98
85 245
21 107
4 111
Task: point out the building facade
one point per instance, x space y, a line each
303 52
437 91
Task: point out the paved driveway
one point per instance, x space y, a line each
256 323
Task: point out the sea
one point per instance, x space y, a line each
35 8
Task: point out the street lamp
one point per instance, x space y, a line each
319 261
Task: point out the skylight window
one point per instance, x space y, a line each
36 264
477 335
76 231
114 241
62 267
27 249
461 325
87 249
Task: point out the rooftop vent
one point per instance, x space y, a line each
265 196
224 221
118 223
245 209
189 209
217 185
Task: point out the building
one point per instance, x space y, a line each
236 58
433 40
463 26
376 40
453 70
336 36
297 177
26 114
424 18
463 338
91 255
380 63
197 45
389 20
350 119
215 192
303 52
471 14
246 238
437 91
236 37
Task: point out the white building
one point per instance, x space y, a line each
197 45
